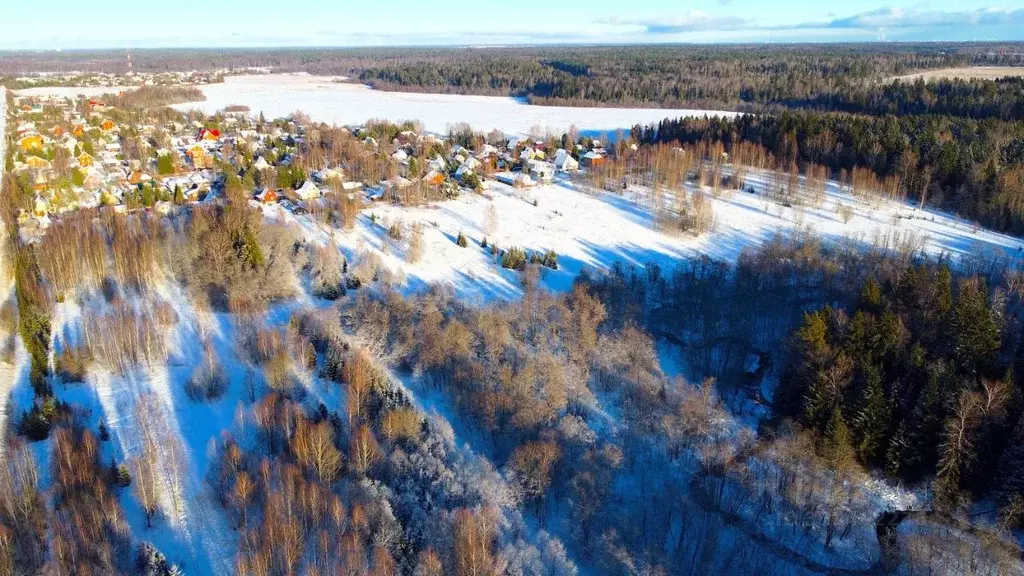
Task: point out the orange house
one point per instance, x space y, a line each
78 131
85 160
434 178
108 125
267 196
31 142
57 131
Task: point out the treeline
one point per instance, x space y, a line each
154 97
841 78
974 168
834 77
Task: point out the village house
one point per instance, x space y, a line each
593 159
266 195
308 191
564 162
515 179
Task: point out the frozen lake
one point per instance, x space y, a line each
325 100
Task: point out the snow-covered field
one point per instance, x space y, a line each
596 230
326 100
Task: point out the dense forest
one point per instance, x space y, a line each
748 77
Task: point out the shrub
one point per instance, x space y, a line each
697 216
207 383
550 260
326 270
415 253
395 231
472 181
71 363
514 259
35 423
461 241
845 213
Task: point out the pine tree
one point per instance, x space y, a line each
872 423
461 241
104 433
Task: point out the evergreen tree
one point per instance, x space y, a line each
811 349
872 423
923 434
871 296
838 456
1011 466
975 331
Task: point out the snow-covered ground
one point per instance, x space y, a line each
326 100
596 230
70 91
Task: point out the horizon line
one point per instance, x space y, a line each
520 45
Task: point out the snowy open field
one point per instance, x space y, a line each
965 73
325 100
596 230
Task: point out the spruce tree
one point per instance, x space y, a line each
838 457
871 296
975 331
923 434
872 422
1011 466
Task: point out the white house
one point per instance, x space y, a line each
565 162
308 191
515 179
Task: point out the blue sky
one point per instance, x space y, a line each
70 24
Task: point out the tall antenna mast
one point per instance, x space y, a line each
128 53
